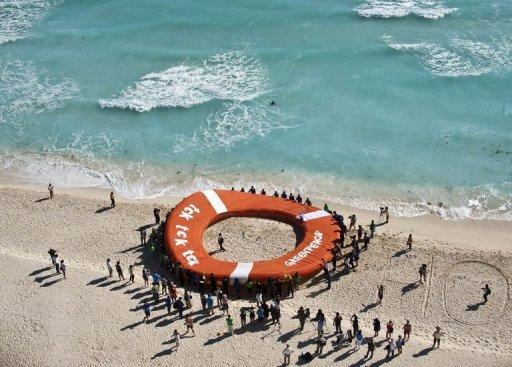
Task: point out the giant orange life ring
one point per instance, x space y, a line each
191 217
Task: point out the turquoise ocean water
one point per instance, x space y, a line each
402 102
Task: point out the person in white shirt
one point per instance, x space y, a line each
177 339
287 352
110 268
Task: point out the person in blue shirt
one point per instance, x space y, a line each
261 314
359 339
156 280
147 311
209 304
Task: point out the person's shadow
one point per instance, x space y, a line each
423 352
410 287
369 306
400 253
41 200
104 209
475 306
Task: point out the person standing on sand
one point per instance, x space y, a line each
399 344
327 275
189 322
355 323
145 277
423 273
389 329
168 304
180 306
360 233
353 220
487 292
366 241
243 317
119 270
177 339
409 242
109 268
132 275
188 300
143 236
220 241
376 326
63 268
371 349
320 344
156 213
287 352
173 291
57 263
407 330
52 254
380 294
386 213
438 334
224 304
209 305
337 323
112 199
381 214
259 298
359 339
229 323
372 229
50 190
302 316
147 311
391 348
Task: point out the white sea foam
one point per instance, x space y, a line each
234 123
17 17
461 57
233 75
140 180
26 90
428 9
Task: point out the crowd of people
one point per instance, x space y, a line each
265 298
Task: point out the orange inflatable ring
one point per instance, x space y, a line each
191 217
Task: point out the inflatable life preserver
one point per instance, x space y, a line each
186 224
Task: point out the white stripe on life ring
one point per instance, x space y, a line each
314 215
241 272
215 201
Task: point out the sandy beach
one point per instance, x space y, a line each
89 319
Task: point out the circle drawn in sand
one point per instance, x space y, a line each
463 294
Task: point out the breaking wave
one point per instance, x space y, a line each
25 90
428 9
233 75
461 57
17 17
234 123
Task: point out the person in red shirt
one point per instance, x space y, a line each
407 330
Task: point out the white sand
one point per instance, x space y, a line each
88 320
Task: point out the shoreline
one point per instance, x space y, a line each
482 234
144 180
